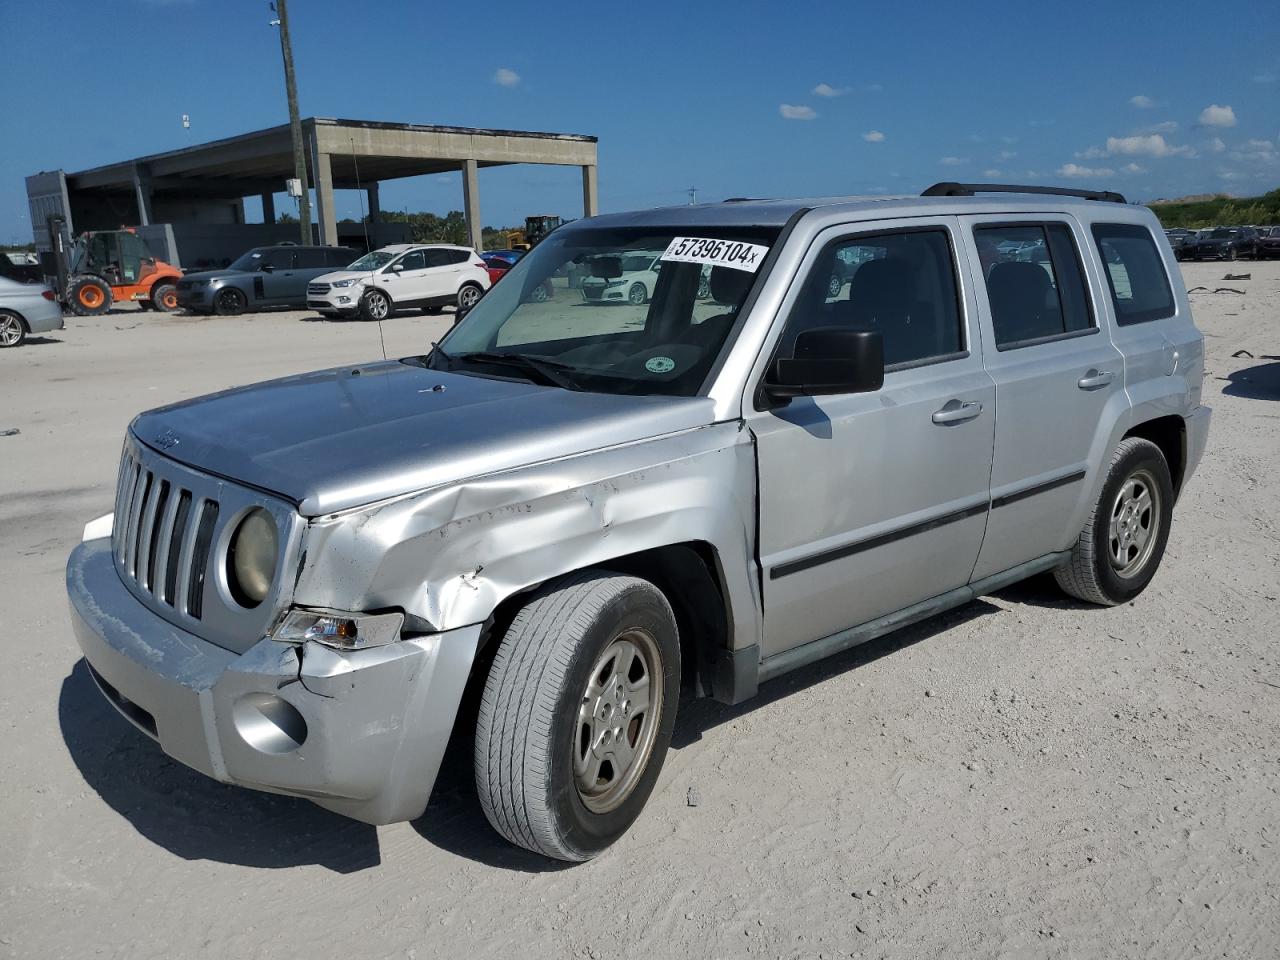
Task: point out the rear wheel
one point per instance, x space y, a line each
1120 548
469 295
89 297
164 297
577 714
229 301
13 331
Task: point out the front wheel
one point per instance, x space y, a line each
375 305
164 297
12 330
89 297
229 302
1120 548
637 294
577 714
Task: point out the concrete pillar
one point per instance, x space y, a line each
142 187
268 208
471 203
322 174
375 211
590 197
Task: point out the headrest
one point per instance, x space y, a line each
877 280
1019 279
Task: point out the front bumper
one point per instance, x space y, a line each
336 300
361 733
195 297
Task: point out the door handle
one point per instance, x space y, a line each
957 412
1095 379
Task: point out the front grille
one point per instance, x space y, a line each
316 289
592 291
162 536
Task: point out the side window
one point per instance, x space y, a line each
1139 285
457 256
311 257
414 260
900 284
436 257
280 258
1034 282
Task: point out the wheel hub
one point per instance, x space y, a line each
1134 519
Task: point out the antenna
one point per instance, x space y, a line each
693 196
364 220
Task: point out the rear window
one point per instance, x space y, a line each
1135 273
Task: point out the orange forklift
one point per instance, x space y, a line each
101 267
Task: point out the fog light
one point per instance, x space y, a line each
269 724
344 299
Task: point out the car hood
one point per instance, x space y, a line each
350 436
216 274
344 275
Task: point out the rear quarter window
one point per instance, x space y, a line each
1135 271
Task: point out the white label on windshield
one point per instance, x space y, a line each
717 253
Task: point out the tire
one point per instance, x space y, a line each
164 296
229 302
375 305
834 285
1231 254
1113 560
541 783
13 330
88 297
539 294
469 296
637 294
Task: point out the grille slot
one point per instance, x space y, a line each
200 559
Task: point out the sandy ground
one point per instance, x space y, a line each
1022 777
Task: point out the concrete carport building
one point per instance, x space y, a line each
190 201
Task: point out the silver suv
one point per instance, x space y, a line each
579 513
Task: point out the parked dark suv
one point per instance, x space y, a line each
1268 243
1223 243
264 277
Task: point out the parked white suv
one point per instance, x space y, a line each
399 277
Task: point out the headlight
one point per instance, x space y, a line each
251 558
342 283
213 283
338 629
613 283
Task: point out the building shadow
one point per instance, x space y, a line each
1259 382
190 815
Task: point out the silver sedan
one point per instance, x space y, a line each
26 308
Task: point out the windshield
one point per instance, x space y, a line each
1223 234
595 304
247 261
372 261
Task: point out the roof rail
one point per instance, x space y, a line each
951 189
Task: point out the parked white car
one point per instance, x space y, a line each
26 308
400 277
636 284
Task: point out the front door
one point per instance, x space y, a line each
872 502
1056 371
273 286
407 279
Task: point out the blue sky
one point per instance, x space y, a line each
746 98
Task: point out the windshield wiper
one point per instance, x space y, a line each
550 372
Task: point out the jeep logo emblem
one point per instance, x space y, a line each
167 440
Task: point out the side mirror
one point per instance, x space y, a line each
829 360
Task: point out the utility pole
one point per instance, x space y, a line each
281 8
693 196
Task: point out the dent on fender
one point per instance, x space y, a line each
450 555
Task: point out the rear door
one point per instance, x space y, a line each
1056 373
872 502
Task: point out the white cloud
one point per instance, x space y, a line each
1075 170
1007 154
1093 153
1216 116
1216 145
1133 168
827 90
873 136
1008 139
1168 126
1142 102
992 172
1267 76
506 77
874 87
1151 145
797 112
954 161
1259 145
